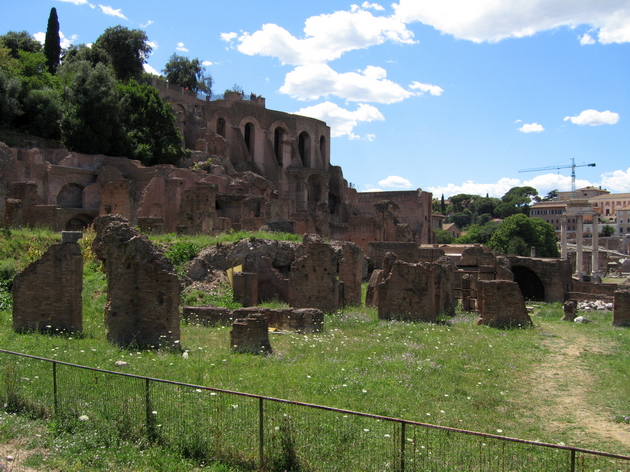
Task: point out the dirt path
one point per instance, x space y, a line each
564 382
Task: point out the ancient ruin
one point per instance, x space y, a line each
501 305
142 287
47 294
250 335
621 308
570 309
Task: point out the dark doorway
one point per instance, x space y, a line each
530 284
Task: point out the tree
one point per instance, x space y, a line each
90 121
150 126
442 236
187 73
20 41
52 44
10 106
127 50
516 200
518 233
607 230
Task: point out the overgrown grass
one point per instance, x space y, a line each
457 374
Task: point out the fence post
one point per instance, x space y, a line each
572 468
55 388
402 447
261 432
150 420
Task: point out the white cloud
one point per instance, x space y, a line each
497 189
150 70
373 6
326 37
63 41
494 20
370 188
314 81
531 128
587 39
112 12
181 47
395 181
153 45
148 23
228 37
76 2
432 89
594 118
207 63
617 181
340 120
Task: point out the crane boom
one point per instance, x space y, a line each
572 166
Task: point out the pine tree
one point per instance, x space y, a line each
52 45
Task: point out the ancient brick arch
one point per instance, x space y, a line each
530 284
553 274
253 136
70 196
78 222
304 148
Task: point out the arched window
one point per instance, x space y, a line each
249 137
221 127
304 148
70 196
322 148
278 142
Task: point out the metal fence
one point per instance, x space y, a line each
267 433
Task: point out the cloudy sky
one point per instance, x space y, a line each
451 96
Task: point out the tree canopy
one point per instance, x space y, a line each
20 41
127 49
518 233
187 73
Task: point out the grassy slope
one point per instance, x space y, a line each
558 382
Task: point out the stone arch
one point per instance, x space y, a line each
279 135
220 127
249 134
304 148
180 113
322 149
78 222
70 196
530 284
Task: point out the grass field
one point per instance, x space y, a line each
557 383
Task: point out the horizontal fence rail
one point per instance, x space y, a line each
207 423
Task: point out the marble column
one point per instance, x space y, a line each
595 251
578 246
563 237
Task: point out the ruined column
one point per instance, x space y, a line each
621 305
501 305
563 237
142 287
595 251
250 335
578 247
246 288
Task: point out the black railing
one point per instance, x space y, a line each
211 423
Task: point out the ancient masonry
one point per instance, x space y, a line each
250 168
142 287
250 335
501 305
621 308
47 294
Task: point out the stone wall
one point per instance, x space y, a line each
313 281
501 305
250 335
142 287
47 294
621 309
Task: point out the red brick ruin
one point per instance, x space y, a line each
142 287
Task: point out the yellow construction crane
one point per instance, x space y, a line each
572 166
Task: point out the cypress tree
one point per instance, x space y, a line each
52 45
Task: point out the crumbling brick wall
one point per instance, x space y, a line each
47 294
313 279
142 286
501 304
416 292
351 268
621 307
250 335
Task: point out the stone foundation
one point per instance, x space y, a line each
501 305
621 310
250 335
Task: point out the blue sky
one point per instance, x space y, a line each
451 96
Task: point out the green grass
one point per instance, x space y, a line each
457 374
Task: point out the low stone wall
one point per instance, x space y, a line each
621 310
302 320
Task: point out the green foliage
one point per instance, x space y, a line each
10 106
515 201
42 112
20 41
52 44
224 297
442 236
187 73
608 230
518 233
150 126
90 121
182 252
479 233
127 49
